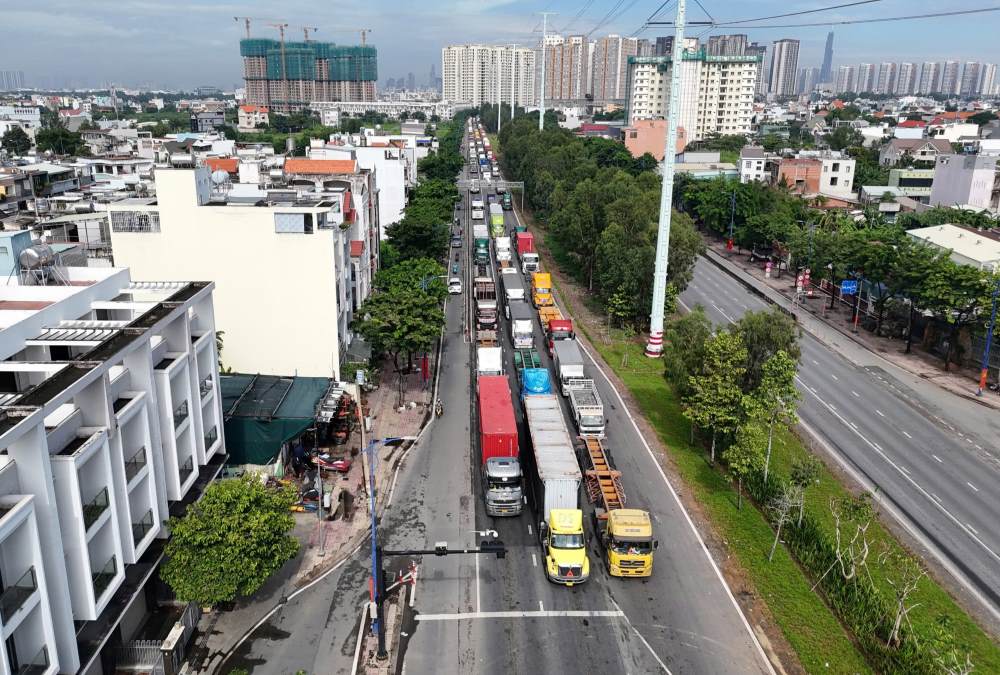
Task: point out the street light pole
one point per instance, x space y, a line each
654 347
989 342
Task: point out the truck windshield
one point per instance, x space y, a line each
591 421
503 483
631 547
566 540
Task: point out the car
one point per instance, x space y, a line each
454 268
456 242
474 189
454 286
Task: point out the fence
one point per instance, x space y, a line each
161 657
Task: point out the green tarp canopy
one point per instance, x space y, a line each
262 412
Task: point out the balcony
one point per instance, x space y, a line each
187 468
142 528
37 666
104 578
14 597
93 509
180 414
205 386
134 464
211 437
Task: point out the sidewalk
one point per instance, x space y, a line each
323 546
834 327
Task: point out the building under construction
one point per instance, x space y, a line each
288 76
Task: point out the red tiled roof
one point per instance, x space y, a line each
321 166
357 248
227 164
912 124
254 108
22 305
952 117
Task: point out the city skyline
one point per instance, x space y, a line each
151 51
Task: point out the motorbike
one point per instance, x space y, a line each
439 408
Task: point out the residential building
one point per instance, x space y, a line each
847 79
817 173
953 132
16 190
6 125
826 71
919 149
906 79
717 92
30 116
966 181
331 112
566 67
11 80
249 117
202 122
110 423
966 246
950 77
989 82
808 79
910 129
930 78
756 164
886 83
272 251
971 79
664 45
469 74
913 183
727 45
650 136
288 76
867 78
784 67
763 76
610 67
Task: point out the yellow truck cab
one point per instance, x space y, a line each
627 537
541 289
565 547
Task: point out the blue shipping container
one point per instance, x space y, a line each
535 381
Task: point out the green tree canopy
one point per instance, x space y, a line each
715 400
16 141
230 542
763 334
685 337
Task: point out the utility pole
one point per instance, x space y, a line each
989 341
654 348
541 107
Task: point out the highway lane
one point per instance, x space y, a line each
937 477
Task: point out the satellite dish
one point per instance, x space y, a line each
220 177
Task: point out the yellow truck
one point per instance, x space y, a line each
541 289
625 534
565 547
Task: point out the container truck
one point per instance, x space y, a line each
534 381
501 470
588 410
541 289
528 358
556 484
522 328
485 293
477 209
505 202
568 362
555 326
513 290
626 535
481 237
526 252
496 220
502 247
489 361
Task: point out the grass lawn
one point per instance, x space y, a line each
730 156
813 630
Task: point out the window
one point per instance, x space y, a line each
135 221
833 181
293 223
836 166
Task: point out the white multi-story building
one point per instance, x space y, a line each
930 78
886 83
567 67
906 79
717 92
988 84
971 79
867 77
784 67
950 77
292 263
847 79
470 74
249 116
967 180
331 112
110 422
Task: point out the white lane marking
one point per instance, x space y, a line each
478 605
835 377
529 529
971 528
726 316
969 440
904 469
972 486
907 435
885 457
978 447
540 614
853 424
815 362
534 560
855 394
744 307
640 636
541 607
937 458
677 500
880 413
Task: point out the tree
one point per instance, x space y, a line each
745 455
16 141
805 472
59 140
781 508
230 542
776 396
685 337
903 575
959 295
423 273
843 137
982 117
764 334
715 401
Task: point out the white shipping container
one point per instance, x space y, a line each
489 361
555 461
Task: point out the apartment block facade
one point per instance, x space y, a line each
610 67
717 92
475 74
567 67
784 67
110 423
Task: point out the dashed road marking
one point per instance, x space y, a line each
529 529
834 377
853 425
974 531
815 362
541 607
972 486
936 498
534 560
937 458
540 614
856 394
880 413
907 435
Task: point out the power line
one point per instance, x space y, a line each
799 13
711 18
604 19
886 19
579 14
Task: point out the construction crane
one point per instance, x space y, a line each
364 33
305 31
247 19
284 66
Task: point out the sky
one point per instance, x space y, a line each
187 43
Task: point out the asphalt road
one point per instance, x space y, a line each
683 618
930 454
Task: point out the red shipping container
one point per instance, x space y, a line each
497 427
525 243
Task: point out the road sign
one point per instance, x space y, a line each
848 287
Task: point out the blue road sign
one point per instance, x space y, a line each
848 287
